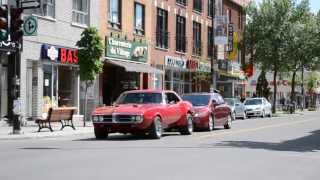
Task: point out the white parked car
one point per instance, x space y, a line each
257 107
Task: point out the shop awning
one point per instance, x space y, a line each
135 67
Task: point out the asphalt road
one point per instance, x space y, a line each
282 148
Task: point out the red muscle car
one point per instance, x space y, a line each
144 111
210 110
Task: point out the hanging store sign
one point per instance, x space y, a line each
204 67
220 30
230 37
59 54
127 50
175 62
192 64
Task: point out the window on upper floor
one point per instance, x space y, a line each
162 28
181 34
197 5
210 6
139 16
47 9
182 2
80 11
196 39
229 15
114 13
210 44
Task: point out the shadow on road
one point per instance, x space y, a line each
123 137
310 143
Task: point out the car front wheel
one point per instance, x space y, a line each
156 128
100 134
188 128
210 123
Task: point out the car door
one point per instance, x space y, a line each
217 110
173 107
238 108
225 109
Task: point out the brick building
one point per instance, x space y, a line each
177 51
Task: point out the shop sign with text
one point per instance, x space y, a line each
61 54
127 50
175 62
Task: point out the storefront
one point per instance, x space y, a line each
231 79
3 85
60 78
126 68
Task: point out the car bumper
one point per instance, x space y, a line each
121 128
200 122
254 113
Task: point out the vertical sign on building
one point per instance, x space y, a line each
230 37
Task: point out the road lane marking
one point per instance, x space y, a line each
253 129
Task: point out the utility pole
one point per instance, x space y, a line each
213 48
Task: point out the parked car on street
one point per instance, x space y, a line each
257 107
210 110
144 112
237 108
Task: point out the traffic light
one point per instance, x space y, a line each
16 24
3 23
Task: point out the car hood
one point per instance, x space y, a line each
200 109
253 106
124 109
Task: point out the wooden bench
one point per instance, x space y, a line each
62 115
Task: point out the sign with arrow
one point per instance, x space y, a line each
30 4
30 26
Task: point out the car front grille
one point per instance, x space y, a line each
118 118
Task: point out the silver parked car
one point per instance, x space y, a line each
237 108
257 107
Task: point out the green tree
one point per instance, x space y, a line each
90 51
262 88
271 21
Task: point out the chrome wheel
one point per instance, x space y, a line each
156 129
188 129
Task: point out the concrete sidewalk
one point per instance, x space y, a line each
30 131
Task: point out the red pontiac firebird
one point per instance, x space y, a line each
144 112
210 110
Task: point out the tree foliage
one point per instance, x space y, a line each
90 51
89 54
283 36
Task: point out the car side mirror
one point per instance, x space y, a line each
214 103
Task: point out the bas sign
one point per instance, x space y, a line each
128 50
61 54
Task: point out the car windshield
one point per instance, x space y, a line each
230 102
197 100
140 98
253 102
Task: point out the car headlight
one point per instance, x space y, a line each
196 115
95 119
138 118
100 118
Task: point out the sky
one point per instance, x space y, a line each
314 4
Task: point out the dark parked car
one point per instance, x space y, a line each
210 110
144 112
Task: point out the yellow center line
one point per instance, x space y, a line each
253 129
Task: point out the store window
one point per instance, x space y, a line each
139 14
80 12
180 34
59 86
114 14
162 29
